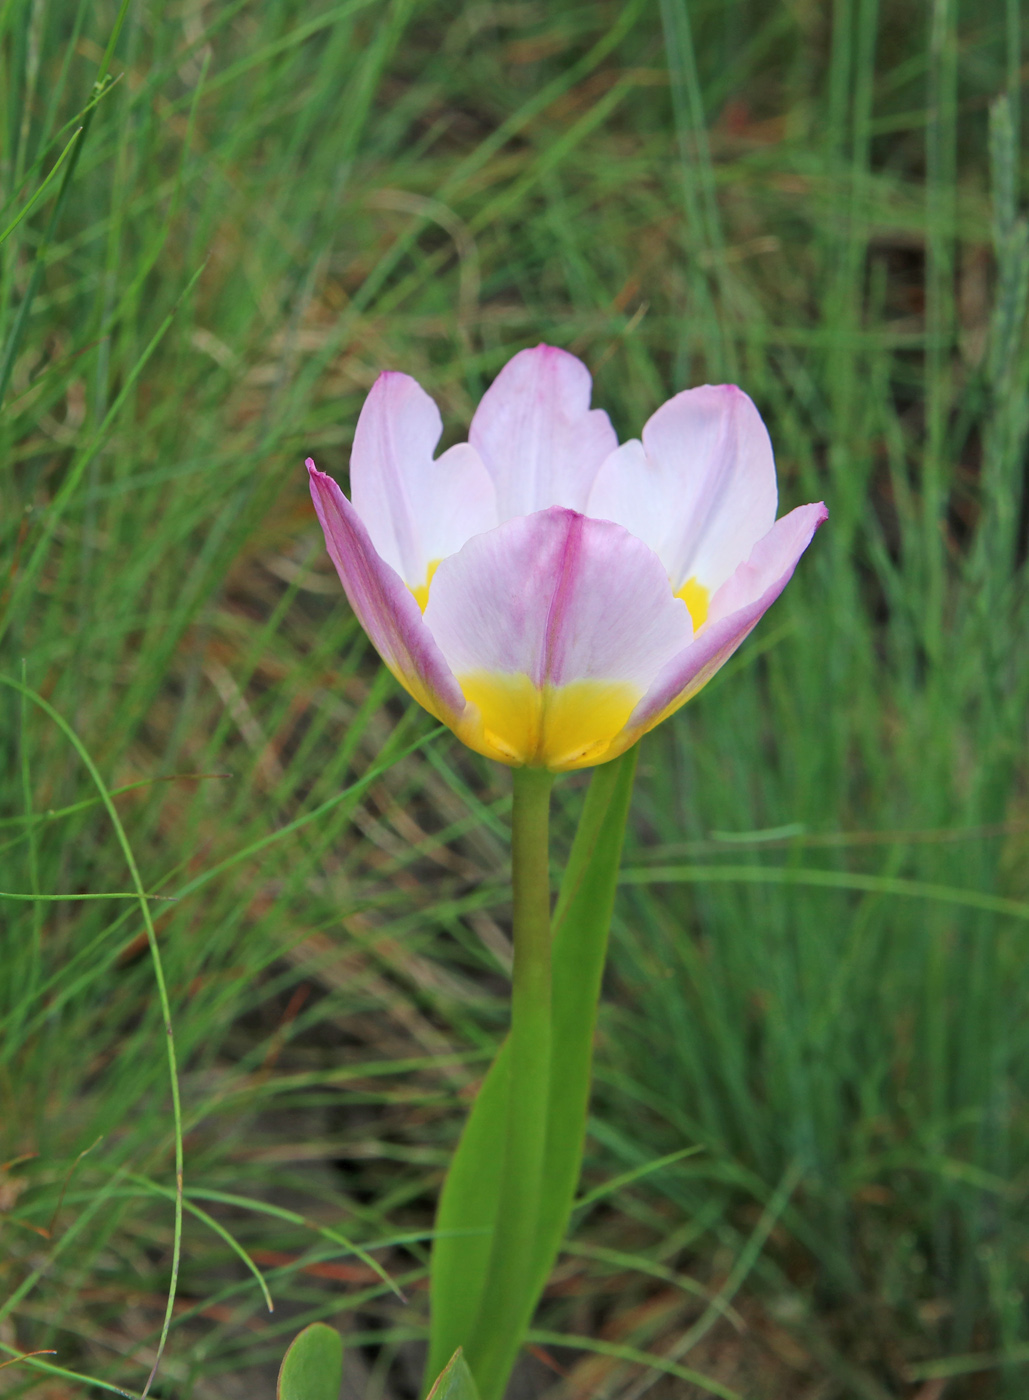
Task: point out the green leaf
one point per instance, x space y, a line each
455 1381
467 1207
582 922
312 1368
464 1219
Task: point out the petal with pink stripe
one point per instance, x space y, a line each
555 626
384 605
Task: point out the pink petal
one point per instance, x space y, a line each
536 433
384 606
736 609
416 510
555 626
557 597
701 490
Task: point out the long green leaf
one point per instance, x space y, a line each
464 1219
467 1207
582 924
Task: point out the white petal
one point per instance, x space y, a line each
701 490
416 510
535 431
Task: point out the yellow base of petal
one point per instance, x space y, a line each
558 727
697 599
421 592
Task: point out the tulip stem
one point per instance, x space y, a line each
507 1301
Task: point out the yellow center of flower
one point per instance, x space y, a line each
558 727
697 598
421 593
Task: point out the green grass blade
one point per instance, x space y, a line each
31 203
159 978
637 1358
828 880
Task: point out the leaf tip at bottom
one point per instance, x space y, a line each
312 1368
455 1381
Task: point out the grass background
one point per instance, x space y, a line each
819 975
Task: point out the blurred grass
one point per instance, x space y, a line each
263 206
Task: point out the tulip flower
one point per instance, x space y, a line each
551 596
546 593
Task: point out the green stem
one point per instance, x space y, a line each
506 1296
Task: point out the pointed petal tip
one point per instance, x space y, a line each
317 479
814 515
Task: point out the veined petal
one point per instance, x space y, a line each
383 604
535 431
416 510
555 626
736 609
700 489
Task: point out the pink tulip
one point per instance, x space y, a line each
549 594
